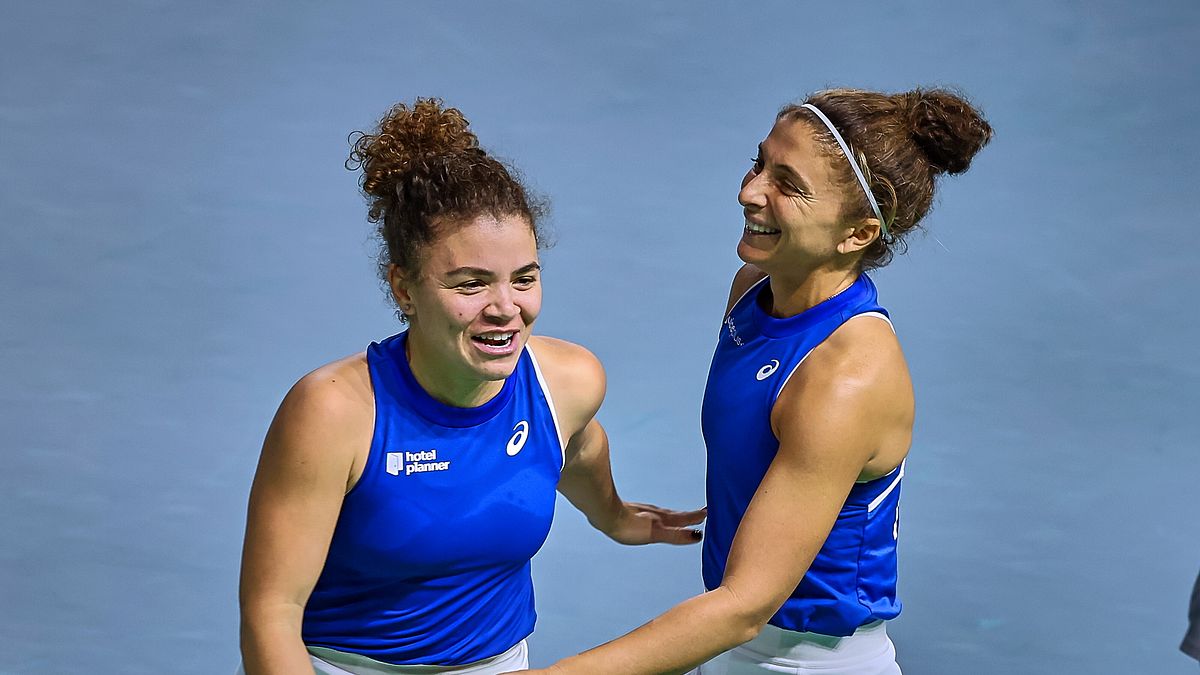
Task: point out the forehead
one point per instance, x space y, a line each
499 244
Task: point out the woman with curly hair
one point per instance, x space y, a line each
808 411
402 491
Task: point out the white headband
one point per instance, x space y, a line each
862 180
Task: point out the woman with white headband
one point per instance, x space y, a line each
808 411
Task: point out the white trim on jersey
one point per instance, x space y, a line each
779 389
537 370
883 495
878 315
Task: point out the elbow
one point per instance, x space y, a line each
750 628
250 631
747 617
262 618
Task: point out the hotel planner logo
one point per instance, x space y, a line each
420 461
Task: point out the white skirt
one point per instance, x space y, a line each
332 662
868 651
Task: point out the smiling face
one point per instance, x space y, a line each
471 306
793 204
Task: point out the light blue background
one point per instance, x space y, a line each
180 242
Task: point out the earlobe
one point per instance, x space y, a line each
400 290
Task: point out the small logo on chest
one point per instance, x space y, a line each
520 435
733 334
767 370
421 461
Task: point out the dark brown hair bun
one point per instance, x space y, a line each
946 128
901 142
407 138
423 172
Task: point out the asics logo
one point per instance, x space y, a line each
518 439
767 370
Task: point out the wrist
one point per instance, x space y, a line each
609 522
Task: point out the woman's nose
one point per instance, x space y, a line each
503 305
751 195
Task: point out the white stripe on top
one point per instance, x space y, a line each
883 495
562 446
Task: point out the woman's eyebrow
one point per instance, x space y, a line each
470 271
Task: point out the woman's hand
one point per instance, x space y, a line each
648 524
577 380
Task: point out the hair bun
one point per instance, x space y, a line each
404 140
946 128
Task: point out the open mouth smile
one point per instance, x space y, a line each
497 342
753 228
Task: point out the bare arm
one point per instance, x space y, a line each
588 484
578 383
829 422
307 463
586 479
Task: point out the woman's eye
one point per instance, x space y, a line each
526 281
757 164
472 285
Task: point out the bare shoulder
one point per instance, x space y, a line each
326 419
312 456
860 362
863 348
336 391
566 360
576 379
852 394
743 281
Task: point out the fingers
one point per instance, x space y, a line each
642 527
669 517
681 518
678 536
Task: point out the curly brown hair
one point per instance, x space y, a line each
423 171
901 142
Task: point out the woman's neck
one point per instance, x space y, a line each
793 295
447 383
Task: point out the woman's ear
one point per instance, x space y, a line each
401 290
860 237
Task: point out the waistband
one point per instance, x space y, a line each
357 664
798 648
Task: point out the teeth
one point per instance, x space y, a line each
759 229
501 338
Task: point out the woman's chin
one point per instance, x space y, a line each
751 253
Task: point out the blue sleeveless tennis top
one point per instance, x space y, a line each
429 561
852 581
